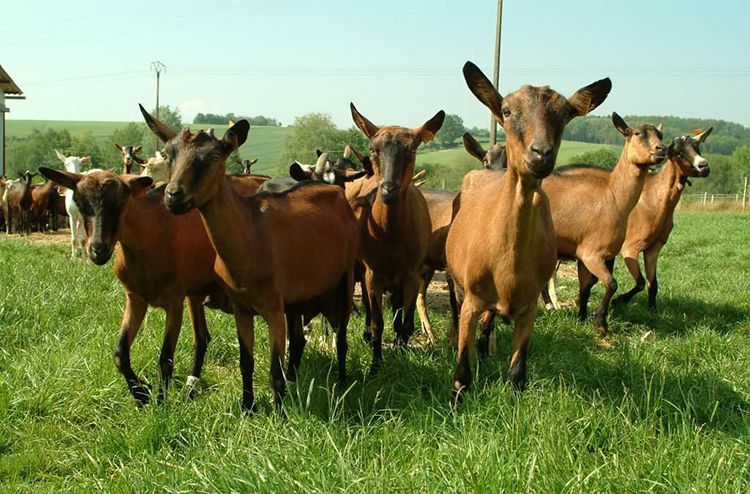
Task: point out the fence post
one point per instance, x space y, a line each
705 196
443 184
744 194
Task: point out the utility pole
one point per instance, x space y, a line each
157 67
496 71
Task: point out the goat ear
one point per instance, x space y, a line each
483 89
587 98
117 146
368 128
365 160
318 152
620 125
700 138
66 179
252 162
60 156
427 131
351 176
298 173
137 149
161 130
137 184
236 135
365 201
660 128
473 147
86 160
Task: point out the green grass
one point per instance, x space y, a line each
666 414
264 143
450 165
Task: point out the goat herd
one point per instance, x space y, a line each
234 241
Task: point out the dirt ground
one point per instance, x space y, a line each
60 237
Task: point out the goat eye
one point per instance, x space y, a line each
506 112
636 133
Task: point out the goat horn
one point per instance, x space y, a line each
348 152
319 166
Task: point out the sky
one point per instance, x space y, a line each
399 61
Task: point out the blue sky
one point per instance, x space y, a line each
399 61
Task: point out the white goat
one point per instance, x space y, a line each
74 164
156 168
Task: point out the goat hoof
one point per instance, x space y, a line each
249 407
141 394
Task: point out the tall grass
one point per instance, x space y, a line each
666 413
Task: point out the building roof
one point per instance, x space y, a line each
7 85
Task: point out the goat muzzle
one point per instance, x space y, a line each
176 200
389 192
99 253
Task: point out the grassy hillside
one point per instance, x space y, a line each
669 412
264 143
452 164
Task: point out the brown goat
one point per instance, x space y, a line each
504 268
258 241
128 157
44 201
493 158
161 260
440 207
396 225
652 219
20 200
590 211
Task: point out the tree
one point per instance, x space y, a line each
452 129
172 118
310 132
599 157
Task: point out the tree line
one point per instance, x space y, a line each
214 119
726 137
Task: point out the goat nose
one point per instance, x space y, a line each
542 152
175 192
661 148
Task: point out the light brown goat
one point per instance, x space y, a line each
396 225
501 245
590 211
652 220
161 260
440 206
258 240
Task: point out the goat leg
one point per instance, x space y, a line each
522 329
650 257
424 317
631 262
246 339
277 341
132 318
296 345
586 282
201 339
485 344
603 270
375 295
171 335
466 335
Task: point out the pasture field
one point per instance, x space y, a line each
450 165
264 143
669 412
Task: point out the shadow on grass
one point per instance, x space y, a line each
417 383
679 316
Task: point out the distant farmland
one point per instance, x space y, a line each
264 143
267 144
